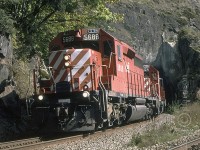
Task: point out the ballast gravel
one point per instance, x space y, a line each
118 140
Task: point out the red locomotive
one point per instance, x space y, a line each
95 81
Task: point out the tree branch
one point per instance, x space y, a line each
36 10
45 19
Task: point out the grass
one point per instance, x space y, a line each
156 136
188 117
187 120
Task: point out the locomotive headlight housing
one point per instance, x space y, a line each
85 87
86 94
40 97
67 63
67 57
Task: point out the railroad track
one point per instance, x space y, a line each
19 143
190 145
34 143
38 142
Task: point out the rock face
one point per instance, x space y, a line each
5 56
155 34
9 106
6 83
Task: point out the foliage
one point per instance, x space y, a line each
23 78
6 23
173 108
155 136
192 36
36 22
188 118
187 33
136 139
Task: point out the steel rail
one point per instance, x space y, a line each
38 142
186 145
18 143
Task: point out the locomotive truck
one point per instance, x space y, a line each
95 81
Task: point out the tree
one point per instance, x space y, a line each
37 21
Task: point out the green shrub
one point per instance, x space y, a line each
172 108
23 77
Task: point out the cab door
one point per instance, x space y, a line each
108 60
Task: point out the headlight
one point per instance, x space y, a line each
85 87
40 97
67 57
86 94
67 64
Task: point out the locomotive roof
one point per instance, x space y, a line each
128 50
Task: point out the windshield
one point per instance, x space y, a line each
84 44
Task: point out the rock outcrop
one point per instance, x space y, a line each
154 29
9 104
7 94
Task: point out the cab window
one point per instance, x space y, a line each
107 47
138 62
119 52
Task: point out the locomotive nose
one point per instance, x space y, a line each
72 66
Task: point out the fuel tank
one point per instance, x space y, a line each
136 112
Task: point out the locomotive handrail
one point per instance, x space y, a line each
104 94
105 102
107 76
102 89
52 76
110 59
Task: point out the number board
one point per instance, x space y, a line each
67 39
91 37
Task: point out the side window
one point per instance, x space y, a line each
161 82
119 52
138 62
107 47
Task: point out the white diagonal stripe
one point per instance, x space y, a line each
89 84
75 54
81 63
83 75
59 60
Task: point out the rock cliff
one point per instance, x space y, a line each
9 104
167 35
